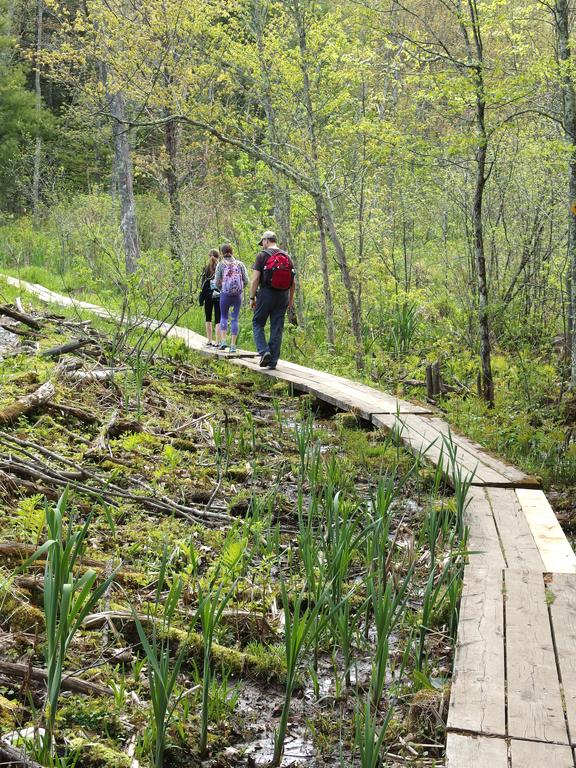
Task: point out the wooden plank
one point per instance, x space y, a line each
475 449
463 751
475 462
477 696
431 445
536 754
385 402
563 612
534 700
554 547
520 549
339 396
483 538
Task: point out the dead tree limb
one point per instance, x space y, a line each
28 403
9 756
22 317
19 331
62 349
71 410
69 682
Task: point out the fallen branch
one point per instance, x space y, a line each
62 349
69 682
19 331
106 374
109 492
14 758
22 317
71 410
24 551
236 660
28 403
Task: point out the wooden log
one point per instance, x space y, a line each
436 380
105 374
22 317
429 382
24 551
71 410
28 403
18 331
69 683
62 349
9 756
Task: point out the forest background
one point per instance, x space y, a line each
417 158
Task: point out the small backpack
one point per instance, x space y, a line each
278 271
232 282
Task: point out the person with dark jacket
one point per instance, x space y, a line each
210 297
271 295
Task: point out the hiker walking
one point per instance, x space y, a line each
231 278
271 295
210 298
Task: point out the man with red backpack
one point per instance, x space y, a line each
271 295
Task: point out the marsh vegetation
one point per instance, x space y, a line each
200 567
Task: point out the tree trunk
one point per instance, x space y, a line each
324 214
325 276
124 175
38 91
171 142
281 192
561 15
479 185
342 262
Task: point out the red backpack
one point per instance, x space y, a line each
278 271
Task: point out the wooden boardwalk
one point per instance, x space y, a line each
513 695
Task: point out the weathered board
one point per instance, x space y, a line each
531 754
483 539
562 599
468 751
477 697
478 452
518 545
429 443
555 550
534 700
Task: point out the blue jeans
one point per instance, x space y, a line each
272 305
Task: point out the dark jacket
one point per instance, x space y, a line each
205 291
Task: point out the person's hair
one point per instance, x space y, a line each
271 239
226 249
214 258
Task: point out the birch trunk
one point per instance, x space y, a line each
124 176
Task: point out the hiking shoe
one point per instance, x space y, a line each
265 359
222 345
232 349
272 367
